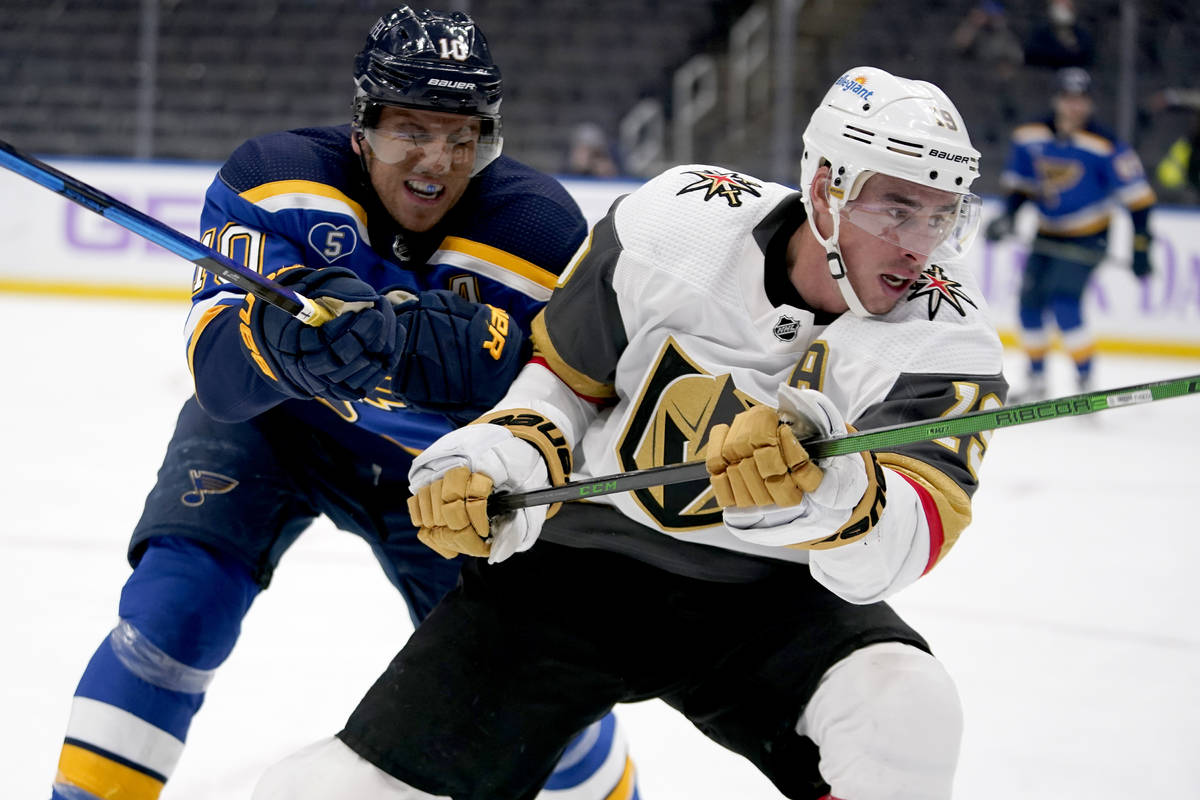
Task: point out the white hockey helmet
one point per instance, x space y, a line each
871 121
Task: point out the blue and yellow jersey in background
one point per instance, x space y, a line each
301 197
1075 180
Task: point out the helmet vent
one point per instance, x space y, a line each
906 148
858 134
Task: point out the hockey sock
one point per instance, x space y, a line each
595 766
180 615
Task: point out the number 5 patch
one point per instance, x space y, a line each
332 241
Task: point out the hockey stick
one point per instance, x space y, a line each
164 235
888 436
1076 253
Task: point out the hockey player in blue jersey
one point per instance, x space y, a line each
434 252
1074 170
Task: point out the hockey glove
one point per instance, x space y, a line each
451 481
757 461
459 356
999 228
823 508
1141 256
344 359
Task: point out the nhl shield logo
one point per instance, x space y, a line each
785 329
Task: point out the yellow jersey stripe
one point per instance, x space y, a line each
500 258
277 189
206 318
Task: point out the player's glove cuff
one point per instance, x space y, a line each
543 434
459 356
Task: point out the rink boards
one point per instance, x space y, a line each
57 247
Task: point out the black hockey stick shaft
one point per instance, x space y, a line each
889 436
1075 252
163 235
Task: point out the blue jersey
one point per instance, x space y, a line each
301 197
1075 180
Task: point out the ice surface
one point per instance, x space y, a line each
1068 613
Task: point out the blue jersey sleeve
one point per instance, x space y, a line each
1020 174
300 197
1127 177
260 215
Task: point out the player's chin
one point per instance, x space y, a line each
417 218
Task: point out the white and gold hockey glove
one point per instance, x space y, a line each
772 493
758 461
453 478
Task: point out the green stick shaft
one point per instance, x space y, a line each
879 438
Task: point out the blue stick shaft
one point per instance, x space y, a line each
161 234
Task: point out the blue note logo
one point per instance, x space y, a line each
332 242
205 482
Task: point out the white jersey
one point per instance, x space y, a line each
678 314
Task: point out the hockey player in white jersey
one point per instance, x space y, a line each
712 316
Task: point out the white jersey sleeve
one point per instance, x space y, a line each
935 355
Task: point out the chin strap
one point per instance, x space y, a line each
833 256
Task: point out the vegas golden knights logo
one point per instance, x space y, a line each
678 406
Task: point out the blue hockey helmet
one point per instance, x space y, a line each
432 61
1073 80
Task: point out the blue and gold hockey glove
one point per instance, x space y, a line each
344 359
1141 255
458 356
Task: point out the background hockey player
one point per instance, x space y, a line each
753 602
1074 170
291 421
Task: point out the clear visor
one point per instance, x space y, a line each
945 232
469 147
